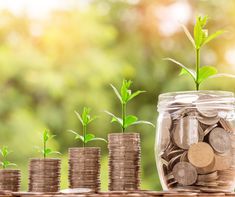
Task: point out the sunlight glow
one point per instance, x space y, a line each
40 9
170 16
230 56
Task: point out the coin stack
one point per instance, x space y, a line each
44 175
197 144
84 168
124 161
9 180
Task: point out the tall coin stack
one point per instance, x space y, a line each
9 180
84 168
44 175
197 143
124 161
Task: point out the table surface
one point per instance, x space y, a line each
121 194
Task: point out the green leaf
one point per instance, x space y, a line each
91 119
86 116
46 135
79 117
213 36
85 119
117 93
143 122
5 152
189 71
115 118
77 136
135 94
12 164
125 92
204 36
47 151
129 120
203 21
99 139
55 152
185 72
51 137
6 164
186 31
198 33
222 75
205 72
89 137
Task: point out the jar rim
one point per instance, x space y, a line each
196 92
204 98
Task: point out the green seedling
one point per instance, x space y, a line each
4 153
199 39
85 120
45 150
124 97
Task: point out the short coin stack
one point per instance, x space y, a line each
10 180
197 144
44 175
84 168
124 161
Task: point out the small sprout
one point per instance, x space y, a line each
199 39
124 97
85 120
4 153
45 150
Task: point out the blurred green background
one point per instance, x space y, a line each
57 56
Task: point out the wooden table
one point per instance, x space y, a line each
120 194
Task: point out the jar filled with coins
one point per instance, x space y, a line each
195 141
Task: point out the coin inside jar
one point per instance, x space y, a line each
208 120
165 126
200 155
214 166
223 162
220 141
186 132
184 173
203 106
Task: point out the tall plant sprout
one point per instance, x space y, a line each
5 163
85 119
199 39
45 151
125 96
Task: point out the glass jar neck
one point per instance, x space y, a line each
196 99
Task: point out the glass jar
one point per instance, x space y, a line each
195 141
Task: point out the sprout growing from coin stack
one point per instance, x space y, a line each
84 162
9 178
124 148
44 173
195 146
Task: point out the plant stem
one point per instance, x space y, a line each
44 147
84 136
123 117
197 67
4 166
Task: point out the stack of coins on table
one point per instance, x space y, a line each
44 175
9 180
198 145
84 168
124 161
